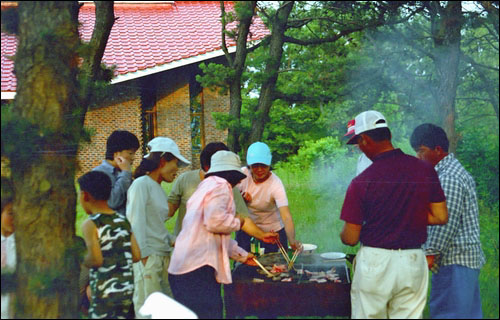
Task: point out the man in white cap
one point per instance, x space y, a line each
387 208
200 261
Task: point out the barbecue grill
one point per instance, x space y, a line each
267 298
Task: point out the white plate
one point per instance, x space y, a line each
332 255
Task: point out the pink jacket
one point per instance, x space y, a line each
205 238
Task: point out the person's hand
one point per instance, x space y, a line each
242 220
247 197
430 260
295 244
270 237
123 164
250 261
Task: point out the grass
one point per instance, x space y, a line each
315 200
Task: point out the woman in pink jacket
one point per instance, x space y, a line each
200 260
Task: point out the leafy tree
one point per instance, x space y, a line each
231 76
40 136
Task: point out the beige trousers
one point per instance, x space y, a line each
150 278
389 284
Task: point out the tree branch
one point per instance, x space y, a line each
224 23
379 22
104 20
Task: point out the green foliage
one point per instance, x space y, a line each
488 277
224 120
16 132
478 152
316 154
215 76
243 9
24 142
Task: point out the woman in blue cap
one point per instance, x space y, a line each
266 199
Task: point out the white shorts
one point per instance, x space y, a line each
389 283
150 278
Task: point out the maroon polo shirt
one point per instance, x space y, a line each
390 200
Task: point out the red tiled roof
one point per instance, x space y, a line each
149 37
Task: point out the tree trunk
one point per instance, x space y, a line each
245 15
272 67
91 68
45 198
446 27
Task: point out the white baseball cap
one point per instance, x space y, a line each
225 161
366 121
164 144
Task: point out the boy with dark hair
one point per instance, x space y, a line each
120 152
455 279
111 249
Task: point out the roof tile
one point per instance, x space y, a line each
148 35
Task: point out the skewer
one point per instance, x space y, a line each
283 251
262 267
294 257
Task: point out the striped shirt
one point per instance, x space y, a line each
458 240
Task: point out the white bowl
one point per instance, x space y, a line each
308 248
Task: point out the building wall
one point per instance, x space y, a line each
173 118
173 121
125 115
214 102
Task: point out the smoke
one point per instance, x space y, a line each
316 195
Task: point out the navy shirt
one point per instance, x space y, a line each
390 200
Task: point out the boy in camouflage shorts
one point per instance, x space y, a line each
111 248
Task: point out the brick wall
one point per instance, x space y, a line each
214 102
103 121
173 121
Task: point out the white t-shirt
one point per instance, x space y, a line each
8 266
267 198
147 211
363 163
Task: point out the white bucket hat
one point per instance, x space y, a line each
164 144
366 121
225 161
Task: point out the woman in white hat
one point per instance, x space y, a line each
147 211
200 261
266 199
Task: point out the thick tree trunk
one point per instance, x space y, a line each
446 28
272 67
45 198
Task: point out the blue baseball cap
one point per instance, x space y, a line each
259 152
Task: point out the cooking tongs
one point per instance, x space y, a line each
262 267
285 254
294 257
